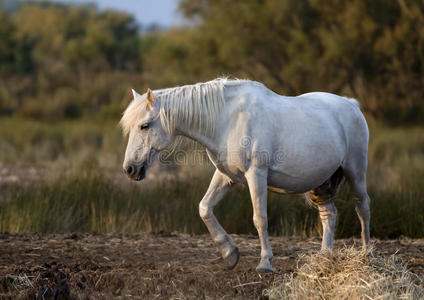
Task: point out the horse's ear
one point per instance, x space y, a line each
150 99
135 94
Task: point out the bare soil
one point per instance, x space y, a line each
154 266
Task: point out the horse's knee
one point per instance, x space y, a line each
363 200
205 212
362 206
260 221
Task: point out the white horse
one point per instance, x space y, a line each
305 144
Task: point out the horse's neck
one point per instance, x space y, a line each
209 143
212 143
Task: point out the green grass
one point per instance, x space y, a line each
83 191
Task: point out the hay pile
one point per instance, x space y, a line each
348 274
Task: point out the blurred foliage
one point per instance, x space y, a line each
368 49
59 61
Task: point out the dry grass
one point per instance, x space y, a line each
348 274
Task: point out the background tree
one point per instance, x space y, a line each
367 49
59 61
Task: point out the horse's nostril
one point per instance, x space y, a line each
130 170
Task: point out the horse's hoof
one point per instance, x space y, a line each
232 258
264 270
264 267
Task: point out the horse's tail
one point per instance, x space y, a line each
353 101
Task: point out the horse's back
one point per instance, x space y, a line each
334 101
317 132
308 118
348 114
331 111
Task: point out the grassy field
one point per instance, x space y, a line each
81 187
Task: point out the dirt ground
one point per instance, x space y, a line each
153 266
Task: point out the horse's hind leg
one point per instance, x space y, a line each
328 215
218 187
356 177
322 197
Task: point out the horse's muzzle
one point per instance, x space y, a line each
136 172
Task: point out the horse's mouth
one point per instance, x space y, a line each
140 172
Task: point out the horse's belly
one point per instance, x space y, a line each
280 190
288 185
280 182
305 166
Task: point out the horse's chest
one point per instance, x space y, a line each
231 167
235 174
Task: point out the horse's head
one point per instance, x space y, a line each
147 136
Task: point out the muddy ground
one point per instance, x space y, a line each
153 266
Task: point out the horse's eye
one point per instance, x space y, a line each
144 126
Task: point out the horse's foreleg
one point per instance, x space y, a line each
218 187
257 182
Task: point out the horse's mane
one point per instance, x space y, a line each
195 106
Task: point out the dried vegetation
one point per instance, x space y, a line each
348 274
